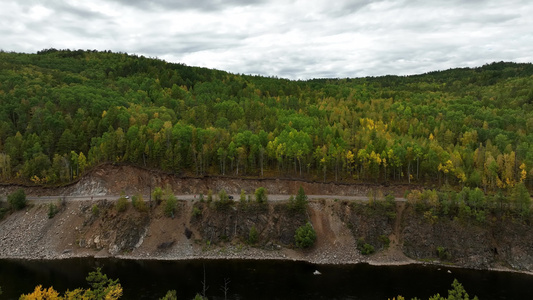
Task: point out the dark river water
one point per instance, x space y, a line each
149 279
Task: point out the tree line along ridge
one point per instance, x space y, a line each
63 112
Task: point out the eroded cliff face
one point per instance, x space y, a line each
397 233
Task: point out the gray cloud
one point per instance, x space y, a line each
202 5
293 39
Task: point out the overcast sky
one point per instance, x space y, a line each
284 38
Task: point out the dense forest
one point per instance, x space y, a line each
63 112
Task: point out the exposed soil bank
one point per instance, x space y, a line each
112 180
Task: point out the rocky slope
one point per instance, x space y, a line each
396 232
87 228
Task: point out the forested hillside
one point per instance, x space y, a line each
62 112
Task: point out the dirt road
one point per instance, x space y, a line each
47 199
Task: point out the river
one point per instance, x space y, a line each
150 279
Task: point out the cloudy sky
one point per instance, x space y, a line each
284 38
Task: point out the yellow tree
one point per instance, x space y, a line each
490 172
375 161
458 166
523 173
42 294
350 161
446 168
362 156
506 164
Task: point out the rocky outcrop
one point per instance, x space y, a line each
504 243
105 228
275 224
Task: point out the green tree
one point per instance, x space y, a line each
261 195
157 194
223 200
299 203
457 292
17 199
305 236
102 287
170 205
521 199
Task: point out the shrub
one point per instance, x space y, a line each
122 204
95 210
364 248
385 240
209 196
138 203
52 210
223 196
157 194
196 212
17 199
443 253
367 249
305 236
253 236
